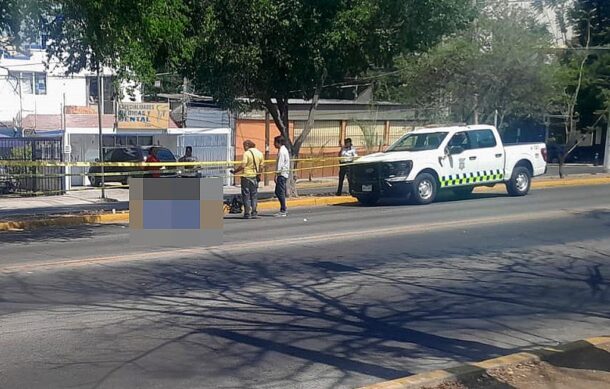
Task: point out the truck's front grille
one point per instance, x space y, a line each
365 173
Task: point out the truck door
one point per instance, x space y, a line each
459 166
490 155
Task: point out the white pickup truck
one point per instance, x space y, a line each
460 158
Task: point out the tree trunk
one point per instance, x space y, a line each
279 113
298 142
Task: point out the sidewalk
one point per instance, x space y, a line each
88 201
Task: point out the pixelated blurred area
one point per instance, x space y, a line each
176 211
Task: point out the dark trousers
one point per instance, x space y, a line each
280 192
249 194
344 171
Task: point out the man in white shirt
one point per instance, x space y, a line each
282 172
347 154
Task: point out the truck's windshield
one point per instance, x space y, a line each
418 142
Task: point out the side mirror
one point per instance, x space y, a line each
454 150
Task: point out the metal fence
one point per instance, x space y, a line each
31 179
207 147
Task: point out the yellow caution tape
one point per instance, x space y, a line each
24 163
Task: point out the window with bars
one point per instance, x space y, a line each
31 82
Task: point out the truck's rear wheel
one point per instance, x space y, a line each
368 200
425 189
520 182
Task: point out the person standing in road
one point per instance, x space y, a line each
282 172
347 155
252 167
188 171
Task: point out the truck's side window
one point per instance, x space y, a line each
460 139
482 139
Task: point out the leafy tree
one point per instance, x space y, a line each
502 70
561 10
19 21
583 78
273 50
133 37
595 93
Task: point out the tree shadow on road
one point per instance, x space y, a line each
306 319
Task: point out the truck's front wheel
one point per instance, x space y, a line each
425 189
520 182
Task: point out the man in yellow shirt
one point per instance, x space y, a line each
251 166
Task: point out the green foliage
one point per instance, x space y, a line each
134 37
505 63
266 50
595 93
273 50
20 21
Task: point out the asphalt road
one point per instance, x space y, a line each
331 297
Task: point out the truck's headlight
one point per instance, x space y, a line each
397 171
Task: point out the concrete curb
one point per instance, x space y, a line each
555 183
65 221
474 370
123 217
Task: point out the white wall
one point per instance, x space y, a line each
74 87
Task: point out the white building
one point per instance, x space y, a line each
28 87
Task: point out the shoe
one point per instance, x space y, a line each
338 194
280 214
254 215
247 216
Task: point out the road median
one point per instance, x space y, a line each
67 220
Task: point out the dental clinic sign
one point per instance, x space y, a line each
143 116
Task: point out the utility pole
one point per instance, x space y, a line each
607 145
20 102
100 97
67 147
185 88
63 112
476 108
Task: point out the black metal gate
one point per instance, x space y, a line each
29 179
